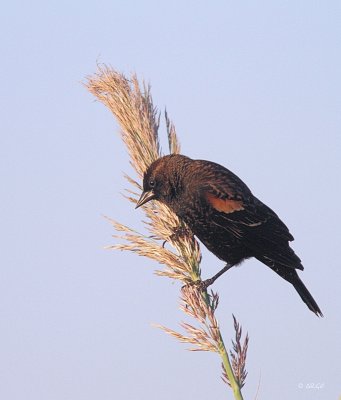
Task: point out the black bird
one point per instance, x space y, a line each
225 216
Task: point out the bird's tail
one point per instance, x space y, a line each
305 295
291 276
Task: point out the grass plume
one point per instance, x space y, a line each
132 105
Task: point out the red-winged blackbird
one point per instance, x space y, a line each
225 216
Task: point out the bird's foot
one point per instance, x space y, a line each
179 232
206 283
201 285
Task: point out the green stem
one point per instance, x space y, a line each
228 368
222 350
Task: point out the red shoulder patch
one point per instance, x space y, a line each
224 205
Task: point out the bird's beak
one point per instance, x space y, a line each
145 197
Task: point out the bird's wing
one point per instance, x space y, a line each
251 221
230 199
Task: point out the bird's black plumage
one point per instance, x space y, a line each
225 216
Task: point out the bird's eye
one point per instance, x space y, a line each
152 183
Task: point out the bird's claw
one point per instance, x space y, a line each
200 285
178 233
203 285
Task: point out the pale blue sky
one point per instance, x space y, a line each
255 86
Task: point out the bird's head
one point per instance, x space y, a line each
162 180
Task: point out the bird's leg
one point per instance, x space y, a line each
208 282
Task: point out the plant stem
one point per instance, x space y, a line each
228 368
222 349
